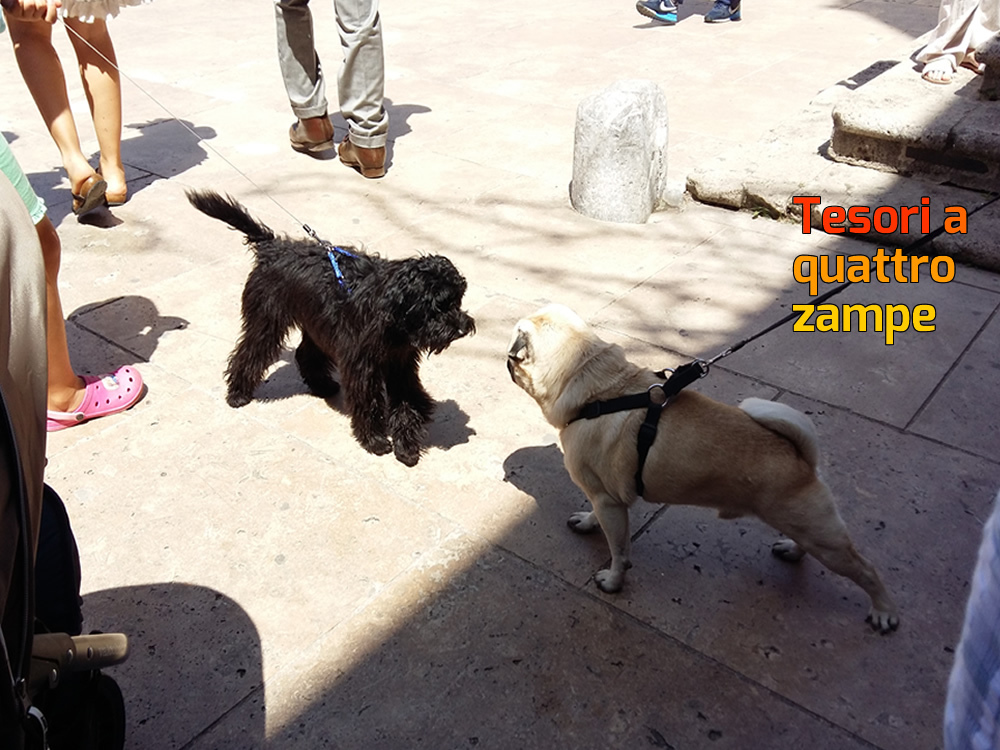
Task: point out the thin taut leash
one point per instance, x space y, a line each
658 396
703 365
916 244
201 141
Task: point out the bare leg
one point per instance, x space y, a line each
65 388
95 54
43 74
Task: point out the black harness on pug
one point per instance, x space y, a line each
654 400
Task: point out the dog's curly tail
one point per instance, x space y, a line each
787 422
229 210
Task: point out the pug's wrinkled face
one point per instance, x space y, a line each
541 349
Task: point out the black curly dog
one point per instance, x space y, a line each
370 317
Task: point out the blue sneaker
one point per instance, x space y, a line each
724 10
660 10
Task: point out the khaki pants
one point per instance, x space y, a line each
361 82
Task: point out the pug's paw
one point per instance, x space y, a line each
788 550
883 620
584 522
608 581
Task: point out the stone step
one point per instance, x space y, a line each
794 160
901 123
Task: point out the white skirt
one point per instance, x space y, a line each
963 26
88 10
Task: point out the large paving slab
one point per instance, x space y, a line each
694 318
715 586
952 416
444 660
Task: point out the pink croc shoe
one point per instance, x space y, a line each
108 394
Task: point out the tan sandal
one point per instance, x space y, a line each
89 195
972 63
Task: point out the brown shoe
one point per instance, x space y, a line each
369 161
322 139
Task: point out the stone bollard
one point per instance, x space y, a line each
989 55
620 153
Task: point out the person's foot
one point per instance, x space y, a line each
117 192
663 11
108 394
369 161
88 194
937 71
311 135
724 11
66 398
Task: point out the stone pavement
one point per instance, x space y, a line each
283 589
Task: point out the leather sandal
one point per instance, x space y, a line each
89 195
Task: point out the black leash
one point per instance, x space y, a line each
918 243
687 373
203 142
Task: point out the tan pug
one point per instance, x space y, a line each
758 459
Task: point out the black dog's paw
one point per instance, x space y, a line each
408 455
236 400
377 444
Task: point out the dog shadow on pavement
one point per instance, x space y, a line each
538 471
283 381
448 428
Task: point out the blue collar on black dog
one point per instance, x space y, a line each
332 253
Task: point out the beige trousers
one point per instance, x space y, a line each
361 81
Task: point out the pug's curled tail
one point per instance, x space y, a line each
787 422
229 210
